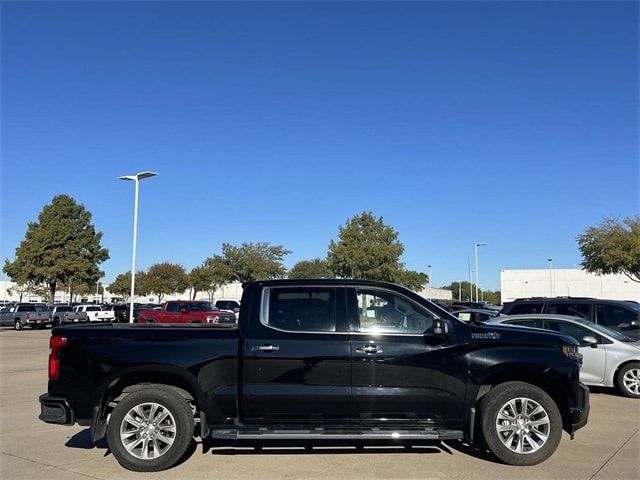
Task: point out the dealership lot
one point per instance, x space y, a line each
607 448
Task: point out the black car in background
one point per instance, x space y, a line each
620 315
121 312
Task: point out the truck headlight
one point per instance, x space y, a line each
571 351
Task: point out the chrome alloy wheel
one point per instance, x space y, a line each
523 425
631 381
148 430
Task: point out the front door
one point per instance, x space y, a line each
593 359
398 371
297 360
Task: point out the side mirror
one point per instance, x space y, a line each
437 328
589 340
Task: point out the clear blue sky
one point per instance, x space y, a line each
512 123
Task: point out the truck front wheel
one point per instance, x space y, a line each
150 429
521 424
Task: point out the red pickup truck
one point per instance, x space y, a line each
181 311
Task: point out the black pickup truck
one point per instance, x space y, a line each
314 360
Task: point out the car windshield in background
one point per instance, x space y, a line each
64 309
601 329
28 308
633 305
202 307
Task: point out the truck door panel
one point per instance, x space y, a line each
297 359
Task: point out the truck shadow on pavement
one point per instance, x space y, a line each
82 440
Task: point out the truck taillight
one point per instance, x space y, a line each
55 344
26 316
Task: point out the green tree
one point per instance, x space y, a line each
612 247
460 290
316 268
254 261
368 249
210 276
165 278
21 289
121 285
62 245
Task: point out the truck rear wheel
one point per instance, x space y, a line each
521 424
150 429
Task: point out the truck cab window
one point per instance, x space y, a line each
309 309
380 311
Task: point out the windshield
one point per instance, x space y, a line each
202 307
600 329
64 309
632 305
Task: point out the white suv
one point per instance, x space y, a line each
229 304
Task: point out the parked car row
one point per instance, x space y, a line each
622 316
20 315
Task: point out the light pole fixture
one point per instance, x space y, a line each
429 267
550 260
136 178
477 273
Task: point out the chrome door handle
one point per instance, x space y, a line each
370 349
265 348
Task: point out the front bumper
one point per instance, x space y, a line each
580 413
56 410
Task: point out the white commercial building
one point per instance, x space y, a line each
571 282
9 293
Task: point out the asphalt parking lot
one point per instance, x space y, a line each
607 448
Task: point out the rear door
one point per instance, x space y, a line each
297 361
397 372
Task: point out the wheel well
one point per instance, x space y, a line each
124 385
535 379
620 367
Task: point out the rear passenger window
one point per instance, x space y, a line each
567 308
527 323
526 308
308 309
614 316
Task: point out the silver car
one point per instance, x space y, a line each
610 359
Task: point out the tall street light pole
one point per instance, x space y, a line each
550 260
477 273
429 267
136 178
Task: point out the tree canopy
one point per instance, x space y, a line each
210 276
62 247
612 247
164 278
316 268
368 249
253 261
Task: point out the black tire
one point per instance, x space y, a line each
490 407
184 426
629 391
17 325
